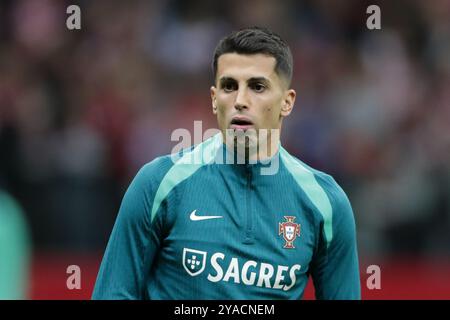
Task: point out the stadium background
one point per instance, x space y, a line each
82 111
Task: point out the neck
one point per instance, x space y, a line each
255 148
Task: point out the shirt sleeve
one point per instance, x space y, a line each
335 266
134 241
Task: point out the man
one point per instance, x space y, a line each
215 229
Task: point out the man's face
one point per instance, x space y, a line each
249 94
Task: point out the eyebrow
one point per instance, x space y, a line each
251 80
258 79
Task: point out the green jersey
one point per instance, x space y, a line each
198 227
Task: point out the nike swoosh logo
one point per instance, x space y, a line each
194 217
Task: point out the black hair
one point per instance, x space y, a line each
257 40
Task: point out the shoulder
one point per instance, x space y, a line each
311 178
324 193
167 168
338 197
146 181
156 168
341 224
335 192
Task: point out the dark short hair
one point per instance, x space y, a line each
257 40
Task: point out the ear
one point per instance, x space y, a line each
213 99
288 102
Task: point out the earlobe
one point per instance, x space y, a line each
286 109
286 106
213 98
288 103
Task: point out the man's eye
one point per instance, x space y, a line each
228 87
258 87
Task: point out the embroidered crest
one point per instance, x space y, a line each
290 230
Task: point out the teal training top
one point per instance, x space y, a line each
195 227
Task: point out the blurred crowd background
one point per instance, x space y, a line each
81 111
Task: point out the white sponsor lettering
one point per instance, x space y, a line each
262 274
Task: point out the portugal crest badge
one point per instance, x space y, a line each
290 230
194 261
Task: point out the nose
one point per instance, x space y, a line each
241 101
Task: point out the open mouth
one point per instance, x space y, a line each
241 123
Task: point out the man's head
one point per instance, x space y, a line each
253 41
252 75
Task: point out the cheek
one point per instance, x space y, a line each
272 108
225 104
224 101
221 109
270 102
272 111
222 113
